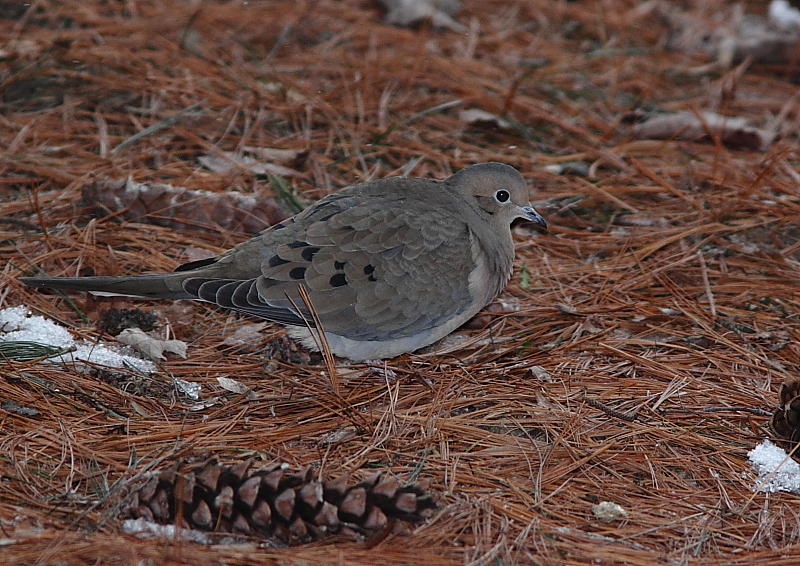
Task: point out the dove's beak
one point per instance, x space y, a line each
528 213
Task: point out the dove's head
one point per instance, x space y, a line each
499 191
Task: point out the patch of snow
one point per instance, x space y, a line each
776 470
17 324
783 14
188 388
147 529
608 511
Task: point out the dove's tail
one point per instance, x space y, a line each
156 286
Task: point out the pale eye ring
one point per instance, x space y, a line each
502 195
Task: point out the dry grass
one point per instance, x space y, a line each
663 304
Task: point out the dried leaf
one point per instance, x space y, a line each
540 373
607 511
13 407
20 48
642 220
566 309
232 385
179 207
481 117
410 12
576 168
228 161
149 346
730 35
669 312
140 410
247 335
735 132
275 155
339 435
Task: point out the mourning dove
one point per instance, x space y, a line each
390 265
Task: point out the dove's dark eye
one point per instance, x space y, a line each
502 195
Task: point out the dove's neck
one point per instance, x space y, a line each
493 266
492 252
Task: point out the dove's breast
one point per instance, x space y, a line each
484 285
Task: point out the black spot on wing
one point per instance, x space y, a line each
338 265
277 260
308 253
297 244
297 272
368 269
338 280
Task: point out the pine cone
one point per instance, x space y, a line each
785 421
273 501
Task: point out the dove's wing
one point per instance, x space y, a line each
376 266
